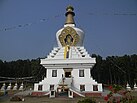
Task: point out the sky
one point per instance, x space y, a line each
28 27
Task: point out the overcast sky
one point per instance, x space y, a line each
28 27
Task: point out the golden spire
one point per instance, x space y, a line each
69 15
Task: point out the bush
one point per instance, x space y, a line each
16 98
87 100
134 101
1 93
128 101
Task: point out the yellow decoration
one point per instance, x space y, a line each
69 37
66 51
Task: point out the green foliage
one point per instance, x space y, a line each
16 98
117 87
87 100
134 101
1 93
128 98
115 69
22 68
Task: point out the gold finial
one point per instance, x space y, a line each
69 8
69 15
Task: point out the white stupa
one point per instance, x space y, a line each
68 65
128 87
135 87
15 86
3 87
9 86
21 86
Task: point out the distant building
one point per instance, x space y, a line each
68 65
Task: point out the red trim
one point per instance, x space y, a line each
75 95
38 93
91 94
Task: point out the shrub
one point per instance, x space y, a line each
87 100
16 98
1 93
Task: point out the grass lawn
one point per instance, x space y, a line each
43 100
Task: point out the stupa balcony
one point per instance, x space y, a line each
68 63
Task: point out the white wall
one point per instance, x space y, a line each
77 81
50 80
87 80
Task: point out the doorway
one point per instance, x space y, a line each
67 74
62 92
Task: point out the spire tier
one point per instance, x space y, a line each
69 15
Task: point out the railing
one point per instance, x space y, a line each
76 90
55 88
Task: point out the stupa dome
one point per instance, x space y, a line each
69 32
